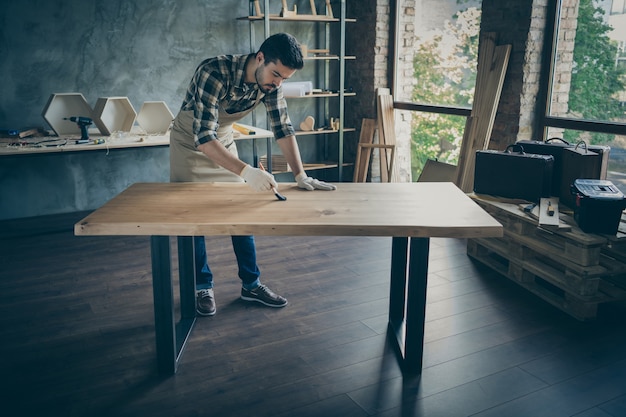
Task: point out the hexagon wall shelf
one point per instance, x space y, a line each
62 105
114 114
155 117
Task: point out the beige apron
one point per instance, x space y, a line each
187 164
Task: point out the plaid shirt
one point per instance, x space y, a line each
219 82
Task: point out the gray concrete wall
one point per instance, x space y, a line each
141 49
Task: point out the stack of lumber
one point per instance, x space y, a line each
492 65
279 163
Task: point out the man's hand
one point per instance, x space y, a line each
257 179
311 184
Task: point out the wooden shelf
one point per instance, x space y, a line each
320 95
55 144
315 166
300 18
327 57
322 132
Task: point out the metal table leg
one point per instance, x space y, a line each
171 337
407 299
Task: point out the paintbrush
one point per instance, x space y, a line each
276 193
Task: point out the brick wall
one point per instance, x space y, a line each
563 73
406 44
369 39
511 20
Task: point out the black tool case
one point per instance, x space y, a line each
567 166
599 205
513 173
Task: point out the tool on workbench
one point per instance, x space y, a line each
242 129
549 212
276 193
83 123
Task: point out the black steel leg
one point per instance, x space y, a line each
163 304
171 337
397 294
187 277
407 299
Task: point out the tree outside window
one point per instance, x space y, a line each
589 82
445 72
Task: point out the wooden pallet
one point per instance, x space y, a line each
569 243
573 270
540 279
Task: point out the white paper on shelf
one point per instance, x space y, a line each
297 88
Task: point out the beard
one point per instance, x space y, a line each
266 88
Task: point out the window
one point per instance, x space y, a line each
435 73
618 7
588 85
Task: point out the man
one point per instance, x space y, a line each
223 90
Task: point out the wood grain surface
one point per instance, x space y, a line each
354 209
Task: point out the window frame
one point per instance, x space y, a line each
545 87
391 71
543 120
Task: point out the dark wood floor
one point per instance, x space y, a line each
77 336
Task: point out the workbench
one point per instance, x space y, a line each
409 213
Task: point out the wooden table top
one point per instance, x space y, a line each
354 209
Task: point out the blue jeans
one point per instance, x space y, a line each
245 252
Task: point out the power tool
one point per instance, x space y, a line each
83 123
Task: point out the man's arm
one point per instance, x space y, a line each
289 147
215 151
258 179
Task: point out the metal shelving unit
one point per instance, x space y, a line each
323 24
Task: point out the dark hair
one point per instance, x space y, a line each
283 47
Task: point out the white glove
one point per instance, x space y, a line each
311 184
257 179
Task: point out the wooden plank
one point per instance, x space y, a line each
382 148
467 155
386 134
363 154
549 212
329 9
492 66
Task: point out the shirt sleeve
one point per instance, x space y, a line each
277 114
208 88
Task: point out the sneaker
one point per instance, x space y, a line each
263 295
205 302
